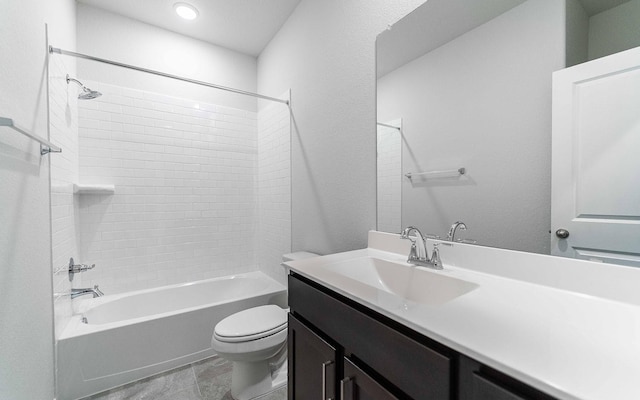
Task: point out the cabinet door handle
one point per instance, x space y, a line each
344 383
324 379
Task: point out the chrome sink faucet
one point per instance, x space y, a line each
84 291
451 236
418 252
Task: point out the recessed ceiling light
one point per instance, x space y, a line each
186 11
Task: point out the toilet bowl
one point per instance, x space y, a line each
254 340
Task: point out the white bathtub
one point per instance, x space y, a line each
133 335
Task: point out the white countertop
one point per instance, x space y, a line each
570 328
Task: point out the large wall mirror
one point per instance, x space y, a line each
466 86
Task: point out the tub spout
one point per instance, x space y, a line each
95 291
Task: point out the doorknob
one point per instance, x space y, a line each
562 233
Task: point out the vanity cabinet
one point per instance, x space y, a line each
346 351
376 352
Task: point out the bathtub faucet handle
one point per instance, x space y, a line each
97 291
75 268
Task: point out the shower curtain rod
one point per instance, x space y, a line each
153 72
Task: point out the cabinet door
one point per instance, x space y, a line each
484 389
479 382
358 385
312 364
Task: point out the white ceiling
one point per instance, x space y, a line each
245 26
431 25
437 22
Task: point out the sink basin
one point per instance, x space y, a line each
415 284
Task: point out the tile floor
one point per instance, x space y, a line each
209 379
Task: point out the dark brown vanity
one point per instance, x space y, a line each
342 350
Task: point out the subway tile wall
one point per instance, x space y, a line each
389 172
63 122
274 188
185 205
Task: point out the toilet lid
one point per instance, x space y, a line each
252 324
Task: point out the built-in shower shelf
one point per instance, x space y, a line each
87 188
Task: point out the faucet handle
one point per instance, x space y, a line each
413 252
75 268
97 291
435 256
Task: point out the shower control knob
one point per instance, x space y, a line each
562 233
75 268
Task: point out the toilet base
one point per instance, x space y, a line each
251 380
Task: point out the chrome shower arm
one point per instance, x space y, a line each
70 79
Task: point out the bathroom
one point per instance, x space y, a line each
323 56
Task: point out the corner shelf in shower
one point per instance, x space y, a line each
88 188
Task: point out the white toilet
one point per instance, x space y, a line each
255 340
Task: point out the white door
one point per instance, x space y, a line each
595 192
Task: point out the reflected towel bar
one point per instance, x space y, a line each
46 147
449 173
388 126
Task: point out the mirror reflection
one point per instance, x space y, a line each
471 84
389 163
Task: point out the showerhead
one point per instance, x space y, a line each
87 94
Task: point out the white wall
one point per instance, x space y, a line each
325 53
111 36
614 30
26 305
274 188
483 102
